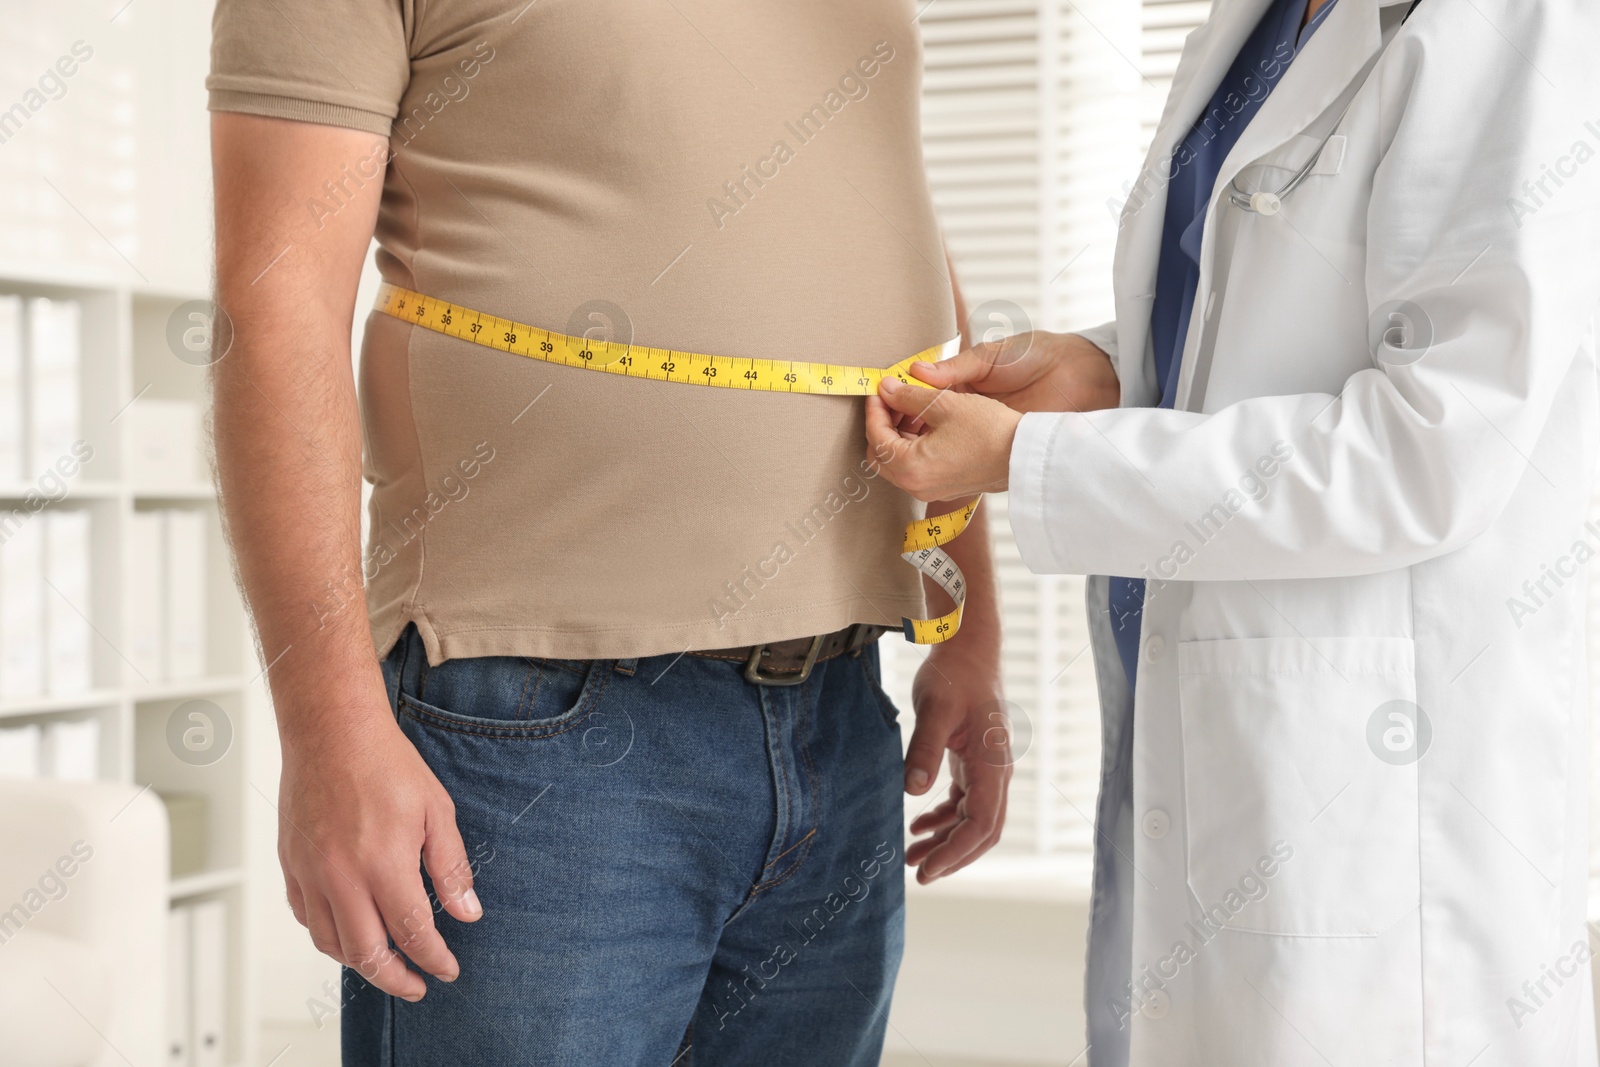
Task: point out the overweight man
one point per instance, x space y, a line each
585 754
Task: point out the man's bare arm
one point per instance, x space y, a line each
357 804
957 696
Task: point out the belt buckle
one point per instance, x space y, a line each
753 672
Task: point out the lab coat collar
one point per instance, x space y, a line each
1320 76
1351 35
1329 71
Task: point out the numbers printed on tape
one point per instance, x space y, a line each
639 361
922 549
924 539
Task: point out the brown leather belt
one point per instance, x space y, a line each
790 662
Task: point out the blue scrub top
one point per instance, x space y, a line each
1260 65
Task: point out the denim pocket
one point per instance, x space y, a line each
873 673
506 696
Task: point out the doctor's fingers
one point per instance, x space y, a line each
964 451
908 426
992 368
889 447
930 405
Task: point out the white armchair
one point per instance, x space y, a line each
83 904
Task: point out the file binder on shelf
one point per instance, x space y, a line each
209 982
20 751
22 611
180 1015
67 639
146 589
52 375
185 601
12 412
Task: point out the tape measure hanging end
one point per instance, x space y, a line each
923 548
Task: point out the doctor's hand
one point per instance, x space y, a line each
1035 371
938 444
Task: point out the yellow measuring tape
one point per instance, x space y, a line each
924 540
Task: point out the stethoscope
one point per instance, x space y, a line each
1263 202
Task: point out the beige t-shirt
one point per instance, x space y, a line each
712 176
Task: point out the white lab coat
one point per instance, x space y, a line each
1335 539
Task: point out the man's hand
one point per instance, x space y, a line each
958 687
957 698
357 806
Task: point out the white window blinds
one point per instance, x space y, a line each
1035 112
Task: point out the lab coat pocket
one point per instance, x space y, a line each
1300 782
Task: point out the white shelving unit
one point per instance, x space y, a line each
126 359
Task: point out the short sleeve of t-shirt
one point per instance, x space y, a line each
340 63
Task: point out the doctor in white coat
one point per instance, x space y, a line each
1342 821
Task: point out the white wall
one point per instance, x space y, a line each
113 175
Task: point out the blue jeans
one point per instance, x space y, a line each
677 867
